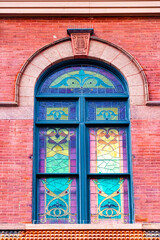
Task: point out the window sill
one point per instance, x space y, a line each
135 226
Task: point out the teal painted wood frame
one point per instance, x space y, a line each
82 125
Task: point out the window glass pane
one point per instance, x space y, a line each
58 110
106 110
109 200
57 150
82 79
57 200
108 150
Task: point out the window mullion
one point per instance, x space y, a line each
83 165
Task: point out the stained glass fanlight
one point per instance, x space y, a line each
82 79
82 149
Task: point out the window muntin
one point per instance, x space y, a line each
110 103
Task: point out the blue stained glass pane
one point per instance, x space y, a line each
82 79
109 200
58 110
57 200
106 110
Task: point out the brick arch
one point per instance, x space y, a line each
100 50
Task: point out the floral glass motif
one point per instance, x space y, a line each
106 110
82 79
57 200
57 150
58 110
108 150
109 200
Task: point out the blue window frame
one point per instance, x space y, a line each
82 148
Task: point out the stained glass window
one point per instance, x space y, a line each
109 200
82 79
57 200
82 148
57 150
108 150
58 110
106 110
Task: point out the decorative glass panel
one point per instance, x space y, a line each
108 150
58 110
109 200
106 110
57 150
57 200
82 79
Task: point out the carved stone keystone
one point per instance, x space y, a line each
80 40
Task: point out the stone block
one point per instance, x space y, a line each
96 49
65 49
27 81
41 61
137 100
121 60
26 101
51 54
17 113
136 90
135 80
109 54
26 91
129 70
145 112
32 71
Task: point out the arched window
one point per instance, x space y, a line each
82 170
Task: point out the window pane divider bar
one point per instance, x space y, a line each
108 122
57 97
48 122
100 175
101 97
40 175
73 123
109 96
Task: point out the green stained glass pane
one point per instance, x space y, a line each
57 200
109 200
57 150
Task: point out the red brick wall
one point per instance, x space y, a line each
16 137
20 38
16 170
146 169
